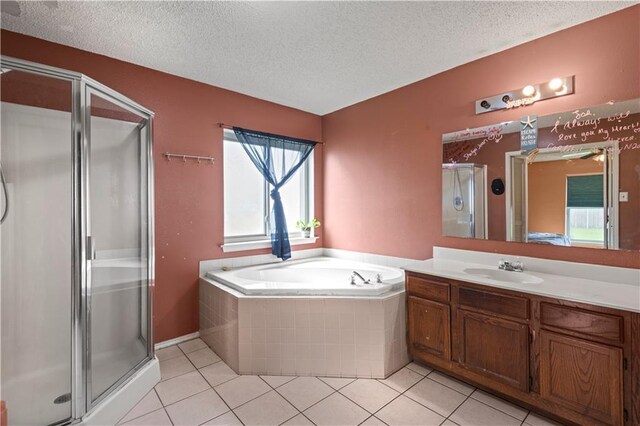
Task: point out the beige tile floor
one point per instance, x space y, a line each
198 388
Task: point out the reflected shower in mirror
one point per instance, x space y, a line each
570 178
464 200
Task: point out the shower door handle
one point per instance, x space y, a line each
91 244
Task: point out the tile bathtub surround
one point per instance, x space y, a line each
415 395
315 336
218 325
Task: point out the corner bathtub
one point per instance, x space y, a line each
319 276
304 317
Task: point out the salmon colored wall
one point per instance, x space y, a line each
188 198
547 182
392 143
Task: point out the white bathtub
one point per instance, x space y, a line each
318 276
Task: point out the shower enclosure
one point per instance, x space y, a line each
76 252
464 202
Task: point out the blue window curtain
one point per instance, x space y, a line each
277 158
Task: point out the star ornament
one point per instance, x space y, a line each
529 122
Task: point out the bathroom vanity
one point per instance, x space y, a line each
564 345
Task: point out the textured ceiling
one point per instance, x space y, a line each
315 56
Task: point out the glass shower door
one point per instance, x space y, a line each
36 247
118 244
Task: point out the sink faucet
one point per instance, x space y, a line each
507 265
356 274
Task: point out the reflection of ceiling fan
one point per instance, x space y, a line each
595 152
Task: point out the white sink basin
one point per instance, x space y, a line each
506 276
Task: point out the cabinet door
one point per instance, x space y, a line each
583 376
495 347
429 327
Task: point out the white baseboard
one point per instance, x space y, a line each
177 340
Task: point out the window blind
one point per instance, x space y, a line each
585 191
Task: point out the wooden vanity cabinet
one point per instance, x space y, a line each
429 326
583 376
494 347
575 362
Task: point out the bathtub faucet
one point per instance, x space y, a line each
356 274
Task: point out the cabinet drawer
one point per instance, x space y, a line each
579 321
428 288
501 304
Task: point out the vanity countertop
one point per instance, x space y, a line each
625 296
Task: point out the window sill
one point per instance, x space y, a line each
253 245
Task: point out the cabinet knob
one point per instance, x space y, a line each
428 338
426 310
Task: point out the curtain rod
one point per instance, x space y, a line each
226 126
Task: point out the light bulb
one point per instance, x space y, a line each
528 90
555 84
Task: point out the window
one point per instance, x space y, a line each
247 199
585 209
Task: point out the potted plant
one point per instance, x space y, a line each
306 227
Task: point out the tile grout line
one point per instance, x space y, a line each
304 415
282 396
408 397
372 416
182 399
163 407
220 415
400 393
221 398
211 387
182 374
137 417
320 378
419 403
447 386
383 407
471 396
456 409
495 408
316 403
252 399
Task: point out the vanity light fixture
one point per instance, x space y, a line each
527 95
529 91
555 84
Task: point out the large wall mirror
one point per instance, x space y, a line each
569 179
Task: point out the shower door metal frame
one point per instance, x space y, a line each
81 403
91 87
